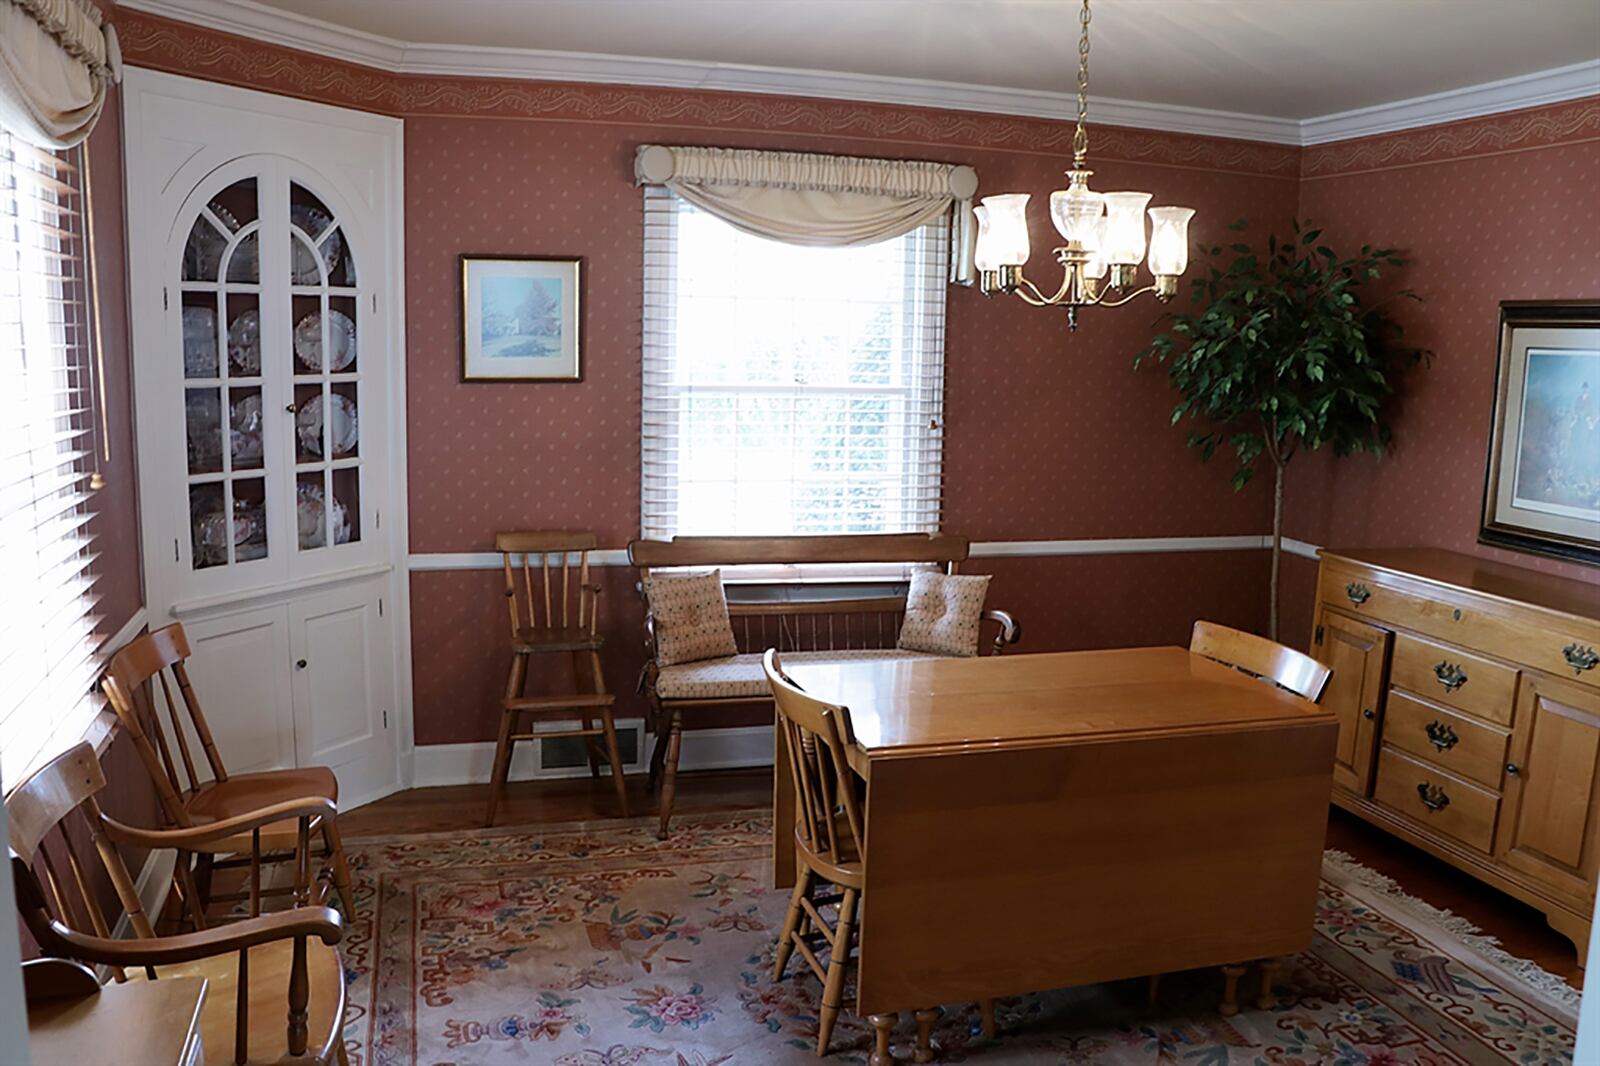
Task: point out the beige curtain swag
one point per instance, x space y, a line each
56 59
818 200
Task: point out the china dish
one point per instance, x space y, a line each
343 434
341 341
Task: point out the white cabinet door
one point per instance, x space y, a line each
343 683
239 672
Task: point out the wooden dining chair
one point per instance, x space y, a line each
155 661
557 613
829 836
1260 657
276 983
1288 669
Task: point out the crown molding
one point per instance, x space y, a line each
1510 94
255 21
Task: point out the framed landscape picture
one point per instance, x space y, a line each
520 318
1542 490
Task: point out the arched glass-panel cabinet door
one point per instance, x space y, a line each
282 369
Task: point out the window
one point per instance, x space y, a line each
789 390
48 655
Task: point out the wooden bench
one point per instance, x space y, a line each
815 618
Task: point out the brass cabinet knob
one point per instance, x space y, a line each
1450 675
1368 714
1433 797
291 408
1357 593
1513 769
300 664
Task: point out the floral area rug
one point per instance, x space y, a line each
598 945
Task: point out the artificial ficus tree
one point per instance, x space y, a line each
1286 351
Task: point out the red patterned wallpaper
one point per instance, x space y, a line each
1049 435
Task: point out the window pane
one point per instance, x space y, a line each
789 389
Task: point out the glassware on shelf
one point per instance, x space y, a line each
244 265
200 341
202 252
202 417
319 246
249 519
208 527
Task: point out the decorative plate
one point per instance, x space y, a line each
314 223
245 416
341 337
343 434
244 345
200 342
308 516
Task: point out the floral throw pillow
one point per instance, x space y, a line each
690 616
943 612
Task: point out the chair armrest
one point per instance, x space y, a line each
1010 631
191 838
323 923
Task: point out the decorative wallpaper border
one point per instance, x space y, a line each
179 48
1571 122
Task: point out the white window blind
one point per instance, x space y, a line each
789 390
48 654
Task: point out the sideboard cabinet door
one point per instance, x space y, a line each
1549 821
1358 655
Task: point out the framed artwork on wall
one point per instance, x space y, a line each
520 318
1542 489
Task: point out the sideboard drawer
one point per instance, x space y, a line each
1459 744
1454 678
1437 800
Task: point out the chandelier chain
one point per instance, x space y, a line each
1080 139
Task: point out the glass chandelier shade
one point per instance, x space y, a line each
1104 233
1169 240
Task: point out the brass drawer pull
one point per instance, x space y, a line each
1580 658
1441 736
1358 593
1433 797
1450 675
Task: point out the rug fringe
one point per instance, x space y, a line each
1525 970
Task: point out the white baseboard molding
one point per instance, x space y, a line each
703 749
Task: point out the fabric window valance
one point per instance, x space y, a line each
56 59
818 200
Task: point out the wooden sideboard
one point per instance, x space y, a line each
1468 699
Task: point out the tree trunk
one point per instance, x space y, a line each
1277 549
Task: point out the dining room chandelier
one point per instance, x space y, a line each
1104 232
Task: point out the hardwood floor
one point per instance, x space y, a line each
1520 929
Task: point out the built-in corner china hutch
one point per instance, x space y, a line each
263 249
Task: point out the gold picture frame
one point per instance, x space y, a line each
1542 484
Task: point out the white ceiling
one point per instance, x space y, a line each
1281 59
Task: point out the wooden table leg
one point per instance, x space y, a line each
926 1052
1266 999
883 1024
1230 991
986 1009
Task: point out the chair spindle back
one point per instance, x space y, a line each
817 735
552 596
1260 657
156 660
50 813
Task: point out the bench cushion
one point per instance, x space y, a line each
741 675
